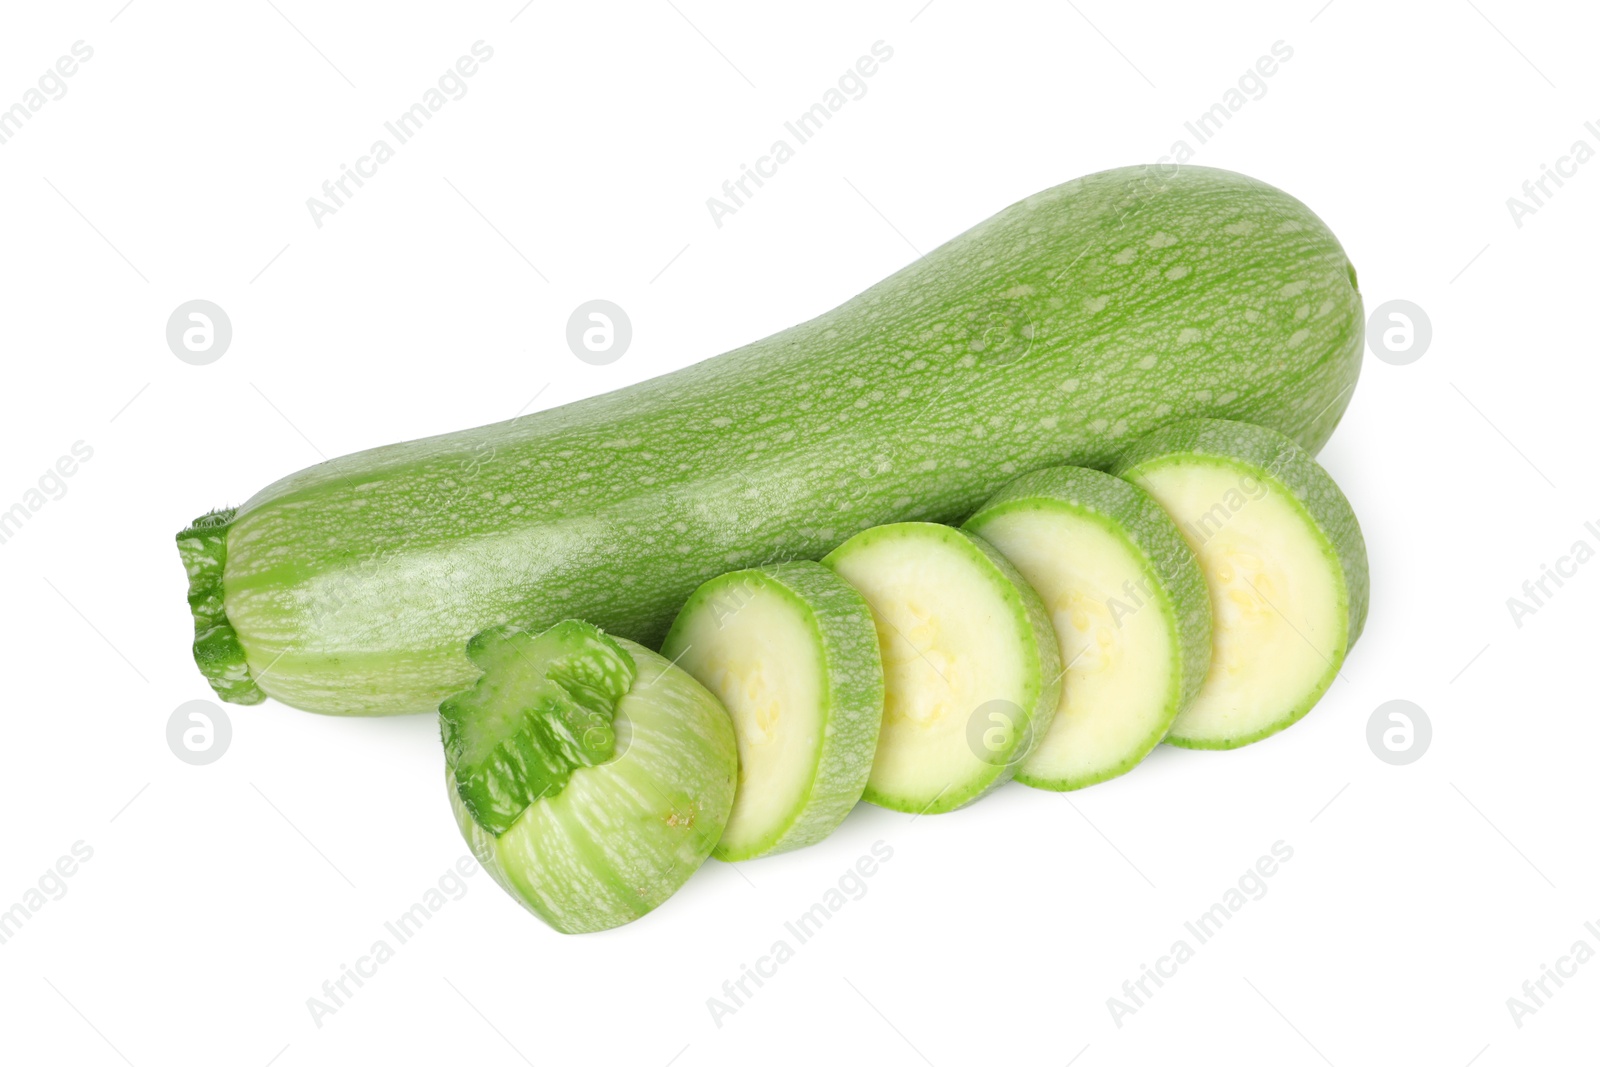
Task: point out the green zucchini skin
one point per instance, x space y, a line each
1055 332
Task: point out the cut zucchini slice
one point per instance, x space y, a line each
590 776
1130 610
972 673
792 652
1284 561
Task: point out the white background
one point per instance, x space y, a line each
219 898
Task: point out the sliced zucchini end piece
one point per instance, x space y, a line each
623 835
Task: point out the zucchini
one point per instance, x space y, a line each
1130 610
792 653
970 666
1284 561
590 776
1056 332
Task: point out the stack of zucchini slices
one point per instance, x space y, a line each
1203 592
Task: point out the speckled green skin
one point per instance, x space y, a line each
1287 469
851 689
1170 570
621 837
1055 332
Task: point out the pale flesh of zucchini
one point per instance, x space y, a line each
961 635
792 653
1117 645
1284 562
1278 624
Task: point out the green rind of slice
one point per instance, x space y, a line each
1030 699
542 707
622 836
1249 463
1087 744
819 755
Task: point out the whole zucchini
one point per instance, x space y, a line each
1055 332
